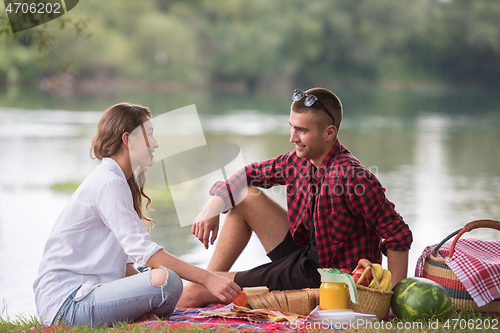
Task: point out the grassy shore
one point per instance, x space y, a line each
458 322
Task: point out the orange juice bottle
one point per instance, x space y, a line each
334 289
333 296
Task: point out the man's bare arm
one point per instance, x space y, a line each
398 265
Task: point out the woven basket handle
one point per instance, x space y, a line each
367 265
492 224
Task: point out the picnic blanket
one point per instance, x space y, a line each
476 264
207 318
187 317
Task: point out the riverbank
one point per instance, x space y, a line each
69 84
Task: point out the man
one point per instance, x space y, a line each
337 210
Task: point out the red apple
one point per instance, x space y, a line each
344 270
357 274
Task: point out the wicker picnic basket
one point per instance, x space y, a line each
436 269
303 301
370 300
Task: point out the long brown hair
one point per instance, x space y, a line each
115 121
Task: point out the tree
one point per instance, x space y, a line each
16 47
459 40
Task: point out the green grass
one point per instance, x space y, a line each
22 324
67 186
18 325
458 322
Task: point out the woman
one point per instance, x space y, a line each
87 273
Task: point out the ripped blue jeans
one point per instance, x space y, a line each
122 300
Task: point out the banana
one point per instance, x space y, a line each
385 281
377 271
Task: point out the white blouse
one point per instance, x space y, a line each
93 239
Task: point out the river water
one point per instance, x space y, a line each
436 152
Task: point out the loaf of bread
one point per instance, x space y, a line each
301 301
255 290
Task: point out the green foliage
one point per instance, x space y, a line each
459 40
32 50
216 41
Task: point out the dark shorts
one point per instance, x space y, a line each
290 268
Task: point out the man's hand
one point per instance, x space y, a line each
202 229
208 222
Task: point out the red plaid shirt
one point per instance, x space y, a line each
351 214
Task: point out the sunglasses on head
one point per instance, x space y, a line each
310 99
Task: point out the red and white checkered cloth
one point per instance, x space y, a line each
476 263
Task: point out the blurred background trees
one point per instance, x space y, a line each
249 45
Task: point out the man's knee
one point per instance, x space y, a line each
253 191
250 195
158 276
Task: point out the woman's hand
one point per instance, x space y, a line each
130 270
222 288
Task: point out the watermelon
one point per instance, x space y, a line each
420 299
